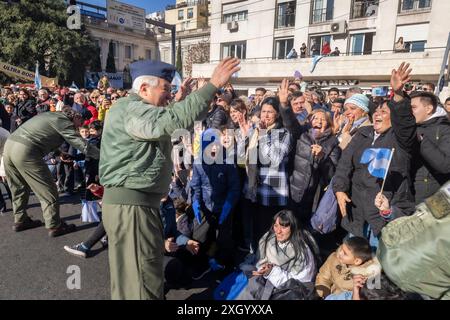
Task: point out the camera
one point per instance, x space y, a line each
380 91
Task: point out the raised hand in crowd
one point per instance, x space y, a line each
399 78
342 199
222 73
283 93
338 120
348 126
184 90
243 124
106 104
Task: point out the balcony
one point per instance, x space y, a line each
285 21
413 6
377 66
364 9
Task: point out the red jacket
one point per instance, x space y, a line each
94 113
326 49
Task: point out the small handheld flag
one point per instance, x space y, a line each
379 160
37 78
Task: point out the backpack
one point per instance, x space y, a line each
324 220
414 251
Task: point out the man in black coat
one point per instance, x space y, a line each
431 165
356 189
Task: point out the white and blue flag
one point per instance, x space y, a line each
37 78
378 159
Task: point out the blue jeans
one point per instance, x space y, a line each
346 295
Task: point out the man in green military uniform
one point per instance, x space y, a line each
26 170
135 169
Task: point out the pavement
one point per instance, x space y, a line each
34 266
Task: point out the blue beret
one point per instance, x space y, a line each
152 68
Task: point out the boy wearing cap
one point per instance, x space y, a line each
135 169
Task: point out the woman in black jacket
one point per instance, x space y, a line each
317 153
26 107
356 188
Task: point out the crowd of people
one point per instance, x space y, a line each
248 179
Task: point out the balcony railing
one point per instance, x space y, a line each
286 21
322 15
362 9
414 5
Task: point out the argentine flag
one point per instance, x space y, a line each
37 78
378 159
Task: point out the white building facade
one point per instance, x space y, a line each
262 33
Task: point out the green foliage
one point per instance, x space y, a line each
96 65
110 61
179 65
33 31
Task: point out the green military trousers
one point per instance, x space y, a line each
136 251
26 172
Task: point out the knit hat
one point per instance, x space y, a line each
359 100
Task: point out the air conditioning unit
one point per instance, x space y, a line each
339 27
233 26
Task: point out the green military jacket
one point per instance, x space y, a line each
135 158
46 132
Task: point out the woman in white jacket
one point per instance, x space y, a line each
284 254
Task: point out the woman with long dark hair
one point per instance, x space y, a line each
285 259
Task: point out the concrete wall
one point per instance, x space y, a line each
139 44
199 19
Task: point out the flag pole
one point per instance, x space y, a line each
389 164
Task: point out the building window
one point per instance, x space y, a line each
286 15
283 47
414 5
128 52
322 10
235 16
237 50
415 46
316 44
190 13
364 8
361 43
180 14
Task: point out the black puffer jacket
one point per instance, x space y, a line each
26 110
353 177
432 168
308 171
216 118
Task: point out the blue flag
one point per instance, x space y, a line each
37 78
378 160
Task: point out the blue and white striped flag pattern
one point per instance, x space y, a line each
37 78
378 159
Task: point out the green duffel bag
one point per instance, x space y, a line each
414 251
